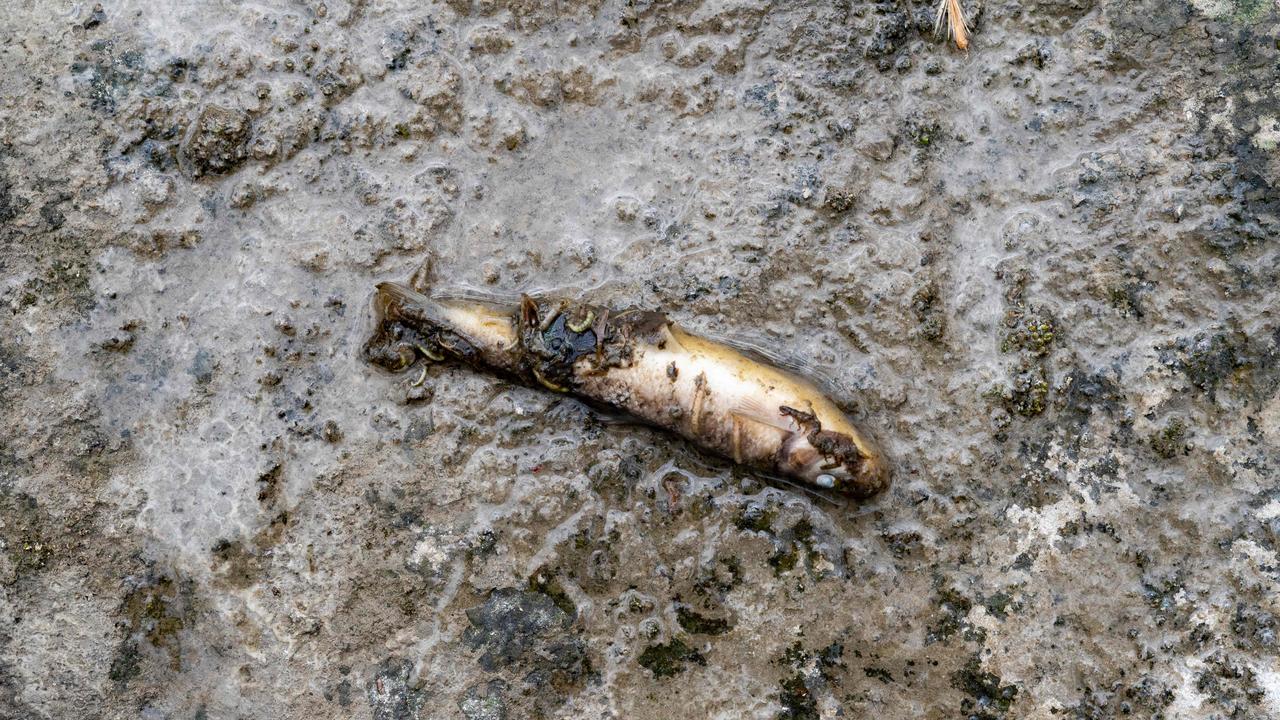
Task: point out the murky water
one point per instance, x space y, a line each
1043 272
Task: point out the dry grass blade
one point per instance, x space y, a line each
951 15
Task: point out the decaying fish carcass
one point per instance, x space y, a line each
638 361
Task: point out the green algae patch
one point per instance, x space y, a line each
1240 12
544 582
696 623
1210 361
797 702
24 536
1170 441
953 618
988 696
784 561
155 612
1030 330
1027 393
756 518
669 659
999 604
810 673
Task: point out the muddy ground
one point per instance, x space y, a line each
1043 272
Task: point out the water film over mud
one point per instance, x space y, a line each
1044 271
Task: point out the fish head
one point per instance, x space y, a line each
870 477
836 461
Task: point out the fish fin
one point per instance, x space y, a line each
605 414
613 419
401 292
599 328
694 414
758 346
737 437
420 280
806 489
393 298
528 311
755 411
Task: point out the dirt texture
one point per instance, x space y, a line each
1043 272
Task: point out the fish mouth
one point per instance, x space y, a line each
871 478
872 475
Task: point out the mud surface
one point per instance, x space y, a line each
1044 272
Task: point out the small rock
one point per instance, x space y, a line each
838 200
484 702
122 340
216 142
331 432
154 188
626 208
419 394
874 142
488 40
509 623
583 252
96 17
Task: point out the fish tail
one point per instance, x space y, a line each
474 332
387 347
393 299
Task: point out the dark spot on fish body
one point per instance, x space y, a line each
835 446
700 394
388 348
672 371
646 326
807 421
555 336
456 346
553 339
565 344
396 345
837 449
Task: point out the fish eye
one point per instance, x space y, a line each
825 480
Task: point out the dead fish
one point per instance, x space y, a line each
640 362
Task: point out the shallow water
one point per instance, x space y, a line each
1043 272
